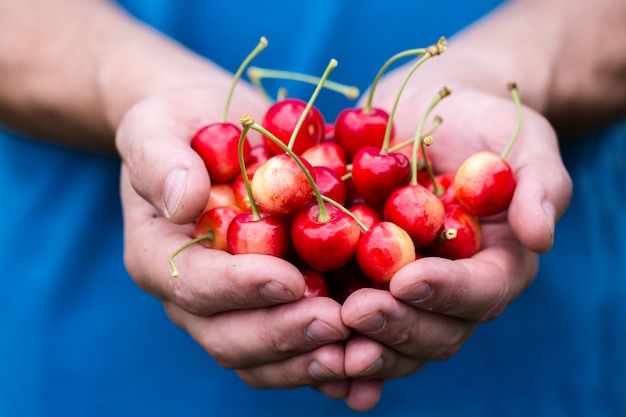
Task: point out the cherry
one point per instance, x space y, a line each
315 284
355 128
222 194
259 233
485 183
366 213
217 143
258 154
324 242
416 210
281 119
460 236
375 175
330 184
328 154
383 250
445 188
280 186
212 226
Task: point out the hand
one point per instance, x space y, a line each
242 309
434 304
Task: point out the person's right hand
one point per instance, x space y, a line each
246 311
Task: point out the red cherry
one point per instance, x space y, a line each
217 145
215 222
280 187
330 184
356 128
315 284
346 280
383 250
327 154
242 200
466 239
268 235
281 119
222 194
366 214
416 210
484 184
259 154
375 176
324 245
446 186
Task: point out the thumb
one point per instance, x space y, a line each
544 187
153 140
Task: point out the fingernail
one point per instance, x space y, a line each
320 332
371 323
319 371
173 190
275 292
550 214
419 292
373 369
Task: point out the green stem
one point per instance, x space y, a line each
346 211
256 74
444 92
429 52
518 108
323 215
331 66
209 235
260 46
246 123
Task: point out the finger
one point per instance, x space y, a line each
322 366
254 337
544 187
475 289
153 140
364 394
210 281
420 335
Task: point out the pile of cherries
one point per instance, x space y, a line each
346 201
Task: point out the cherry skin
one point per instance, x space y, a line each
214 223
375 176
268 235
222 194
446 184
383 250
356 128
217 144
281 119
330 184
324 244
484 184
416 210
467 239
258 154
280 187
242 199
315 284
366 214
327 154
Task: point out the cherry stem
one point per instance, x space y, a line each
436 122
329 200
256 74
417 141
323 215
260 46
370 95
246 123
429 52
447 234
512 87
209 235
321 81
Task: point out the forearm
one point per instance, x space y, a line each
70 69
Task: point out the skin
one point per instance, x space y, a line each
103 107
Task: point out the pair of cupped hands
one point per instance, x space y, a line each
247 311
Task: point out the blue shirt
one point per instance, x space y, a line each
79 338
